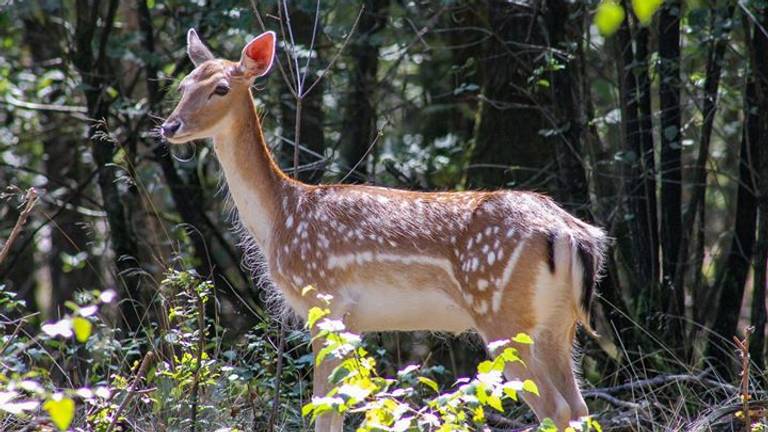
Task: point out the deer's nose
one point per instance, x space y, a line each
170 127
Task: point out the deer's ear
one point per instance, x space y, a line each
197 52
258 55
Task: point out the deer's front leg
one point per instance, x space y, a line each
332 421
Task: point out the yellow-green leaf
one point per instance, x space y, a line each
82 328
495 403
429 383
307 409
306 290
644 9
530 387
478 415
315 314
61 410
609 17
523 338
511 393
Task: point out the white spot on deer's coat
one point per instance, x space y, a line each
496 299
491 258
475 263
482 284
289 221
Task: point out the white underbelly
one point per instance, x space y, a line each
386 305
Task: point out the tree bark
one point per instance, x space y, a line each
637 248
69 236
510 116
572 178
359 121
721 28
96 75
670 138
733 271
760 74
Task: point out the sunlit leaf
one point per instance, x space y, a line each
522 338
609 17
61 410
644 9
429 383
315 314
82 328
530 387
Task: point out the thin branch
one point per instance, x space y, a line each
31 199
338 53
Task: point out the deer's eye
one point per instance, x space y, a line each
221 90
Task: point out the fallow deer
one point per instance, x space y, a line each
393 260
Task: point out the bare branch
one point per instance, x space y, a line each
31 199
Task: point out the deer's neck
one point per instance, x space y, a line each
255 182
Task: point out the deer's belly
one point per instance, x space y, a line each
384 298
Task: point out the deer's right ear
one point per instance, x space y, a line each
258 55
196 50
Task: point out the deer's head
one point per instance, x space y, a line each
207 92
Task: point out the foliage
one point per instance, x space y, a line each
412 401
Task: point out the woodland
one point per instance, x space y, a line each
125 301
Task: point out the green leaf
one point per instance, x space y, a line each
495 403
485 366
307 409
644 9
315 314
61 410
429 383
531 387
510 392
522 338
547 425
82 328
609 17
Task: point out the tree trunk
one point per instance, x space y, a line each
720 28
71 267
572 178
646 159
760 73
507 132
637 248
96 76
670 138
359 121
733 271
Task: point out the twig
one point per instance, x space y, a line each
611 399
143 368
278 377
31 199
658 381
743 347
200 349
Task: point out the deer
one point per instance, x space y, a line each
494 262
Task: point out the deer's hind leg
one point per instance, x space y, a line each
554 347
550 403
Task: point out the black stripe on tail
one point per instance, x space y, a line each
588 270
551 237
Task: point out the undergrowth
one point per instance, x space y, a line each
180 372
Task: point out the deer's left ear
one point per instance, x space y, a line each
258 55
196 50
